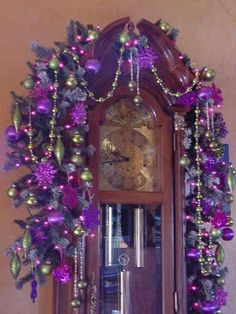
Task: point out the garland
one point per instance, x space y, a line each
48 136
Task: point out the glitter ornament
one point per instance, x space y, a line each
220 298
90 217
227 234
187 100
45 173
62 273
70 197
46 268
147 58
33 294
53 63
12 134
78 114
92 65
44 105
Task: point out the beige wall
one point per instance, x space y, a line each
208 35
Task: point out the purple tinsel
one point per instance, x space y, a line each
220 297
90 217
147 58
33 294
187 100
62 273
209 162
78 114
45 173
219 219
220 125
38 92
70 198
216 95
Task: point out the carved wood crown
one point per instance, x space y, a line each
170 68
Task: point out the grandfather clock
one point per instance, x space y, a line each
135 262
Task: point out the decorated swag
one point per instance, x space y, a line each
48 136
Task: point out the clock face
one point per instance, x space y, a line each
128 149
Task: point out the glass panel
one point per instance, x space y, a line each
128 149
131 259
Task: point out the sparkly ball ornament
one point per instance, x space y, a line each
44 105
12 134
78 114
53 63
216 233
86 175
93 34
227 234
62 273
75 303
92 65
77 139
71 82
28 83
45 173
46 268
184 161
208 74
164 26
12 191
124 37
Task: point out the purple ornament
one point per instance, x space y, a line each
204 93
45 173
12 134
187 100
62 273
70 197
193 254
38 235
146 58
209 307
220 297
90 217
209 162
219 219
44 105
78 114
33 294
92 65
56 218
227 234
216 95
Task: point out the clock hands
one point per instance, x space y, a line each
117 158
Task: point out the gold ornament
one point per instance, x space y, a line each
53 63
82 284
26 240
164 26
46 268
15 265
16 117
124 37
184 161
228 198
208 134
93 34
86 175
220 254
78 231
216 233
220 281
71 81
208 74
231 179
138 100
31 200
132 85
230 221
77 160
59 150
77 139
75 303
12 191
28 83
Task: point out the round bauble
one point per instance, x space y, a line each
228 198
208 134
92 65
12 191
28 83
12 134
227 234
46 268
71 81
75 303
53 63
82 284
86 175
62 273
164 26
208 74
78 231
213 145
77 138
208 307
204 93
216 233
220 281
138 100
193 254
124 37
184 161
93 34
230 222
77 160
31 200
132 85
44 105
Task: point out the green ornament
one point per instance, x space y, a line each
46 268
78 231
208 74
75 303
12 191
213 145
77 139
230 221
28 83
71 81
31 200
53 63
138 100
231 179
216 233
93 34
220 254
59 150
220 281
16 117
15 265
26 240
132 85
86 175
208 134
184 161
77 160
124 37
164 26
82 284
228 198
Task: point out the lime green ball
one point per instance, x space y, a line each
77 160
12 191
28 83
93 34
53 63
124 37
216 233
46 268
86 175
77 139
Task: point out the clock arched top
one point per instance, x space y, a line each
175 75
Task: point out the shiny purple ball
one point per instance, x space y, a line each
12 134
62 273
193 254
92 65
227 234
44 105
204 93
56 218
209 307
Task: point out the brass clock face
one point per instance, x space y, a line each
128 152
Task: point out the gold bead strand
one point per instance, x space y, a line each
34 158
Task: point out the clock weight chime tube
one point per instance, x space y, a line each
139 236
125 304
108 236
